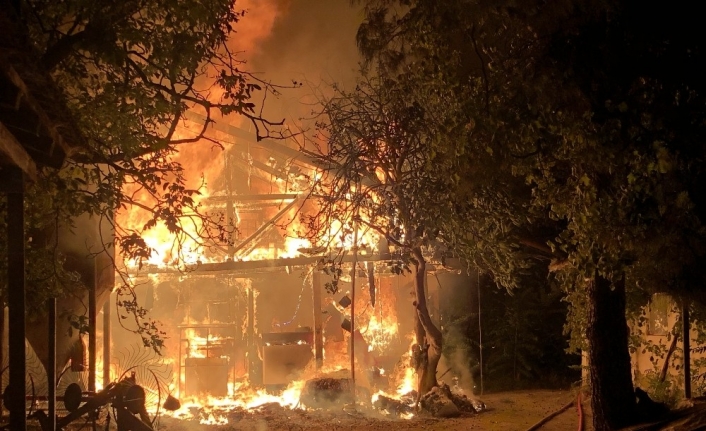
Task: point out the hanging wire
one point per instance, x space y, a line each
299 302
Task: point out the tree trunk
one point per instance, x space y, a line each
612 396
428 336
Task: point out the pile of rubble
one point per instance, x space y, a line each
444 403
441 401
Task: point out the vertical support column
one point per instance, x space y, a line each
353 274
252 349
180 389
480 331
230 213
92 332
16 300
2 345
687 349
51 362
106 342
318 325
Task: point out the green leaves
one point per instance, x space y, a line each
573 140
129 71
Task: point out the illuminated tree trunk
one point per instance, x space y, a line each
612 395
428 336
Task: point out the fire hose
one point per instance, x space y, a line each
558 412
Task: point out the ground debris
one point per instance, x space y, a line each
438 402
324 392
393 406
442 402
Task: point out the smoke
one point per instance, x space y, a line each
458 363
203 161
311 42
458 297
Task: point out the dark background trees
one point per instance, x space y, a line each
576 130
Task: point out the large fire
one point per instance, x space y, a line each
214 411
377 329
233 185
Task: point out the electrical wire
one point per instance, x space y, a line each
299 302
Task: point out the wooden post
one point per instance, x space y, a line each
318 325
687 349
480 332
2 346
353 274
252 349
106 342
231 221
51 362
92 332
16 301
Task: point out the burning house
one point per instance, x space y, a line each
249 314
252 313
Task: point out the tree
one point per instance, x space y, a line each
129 72
374 177
595 107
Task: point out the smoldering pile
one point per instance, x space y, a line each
441 401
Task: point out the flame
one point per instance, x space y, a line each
214 411
203 165
199 346
379 334
408 382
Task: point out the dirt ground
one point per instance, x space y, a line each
512 411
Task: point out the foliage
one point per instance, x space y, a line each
575 105
524 344
375 164
129 71
668 391
698 376
575 125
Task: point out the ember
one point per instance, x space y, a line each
325 392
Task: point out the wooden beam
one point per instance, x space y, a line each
686 340
262 229
92 346
2 344
252 348
300 155
106 342
265 172
318 324
253 265
249 137
250 198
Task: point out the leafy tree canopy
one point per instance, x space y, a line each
596 107
129 71
580 124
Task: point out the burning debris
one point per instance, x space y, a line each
398 408
254 336
326 391
444 403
